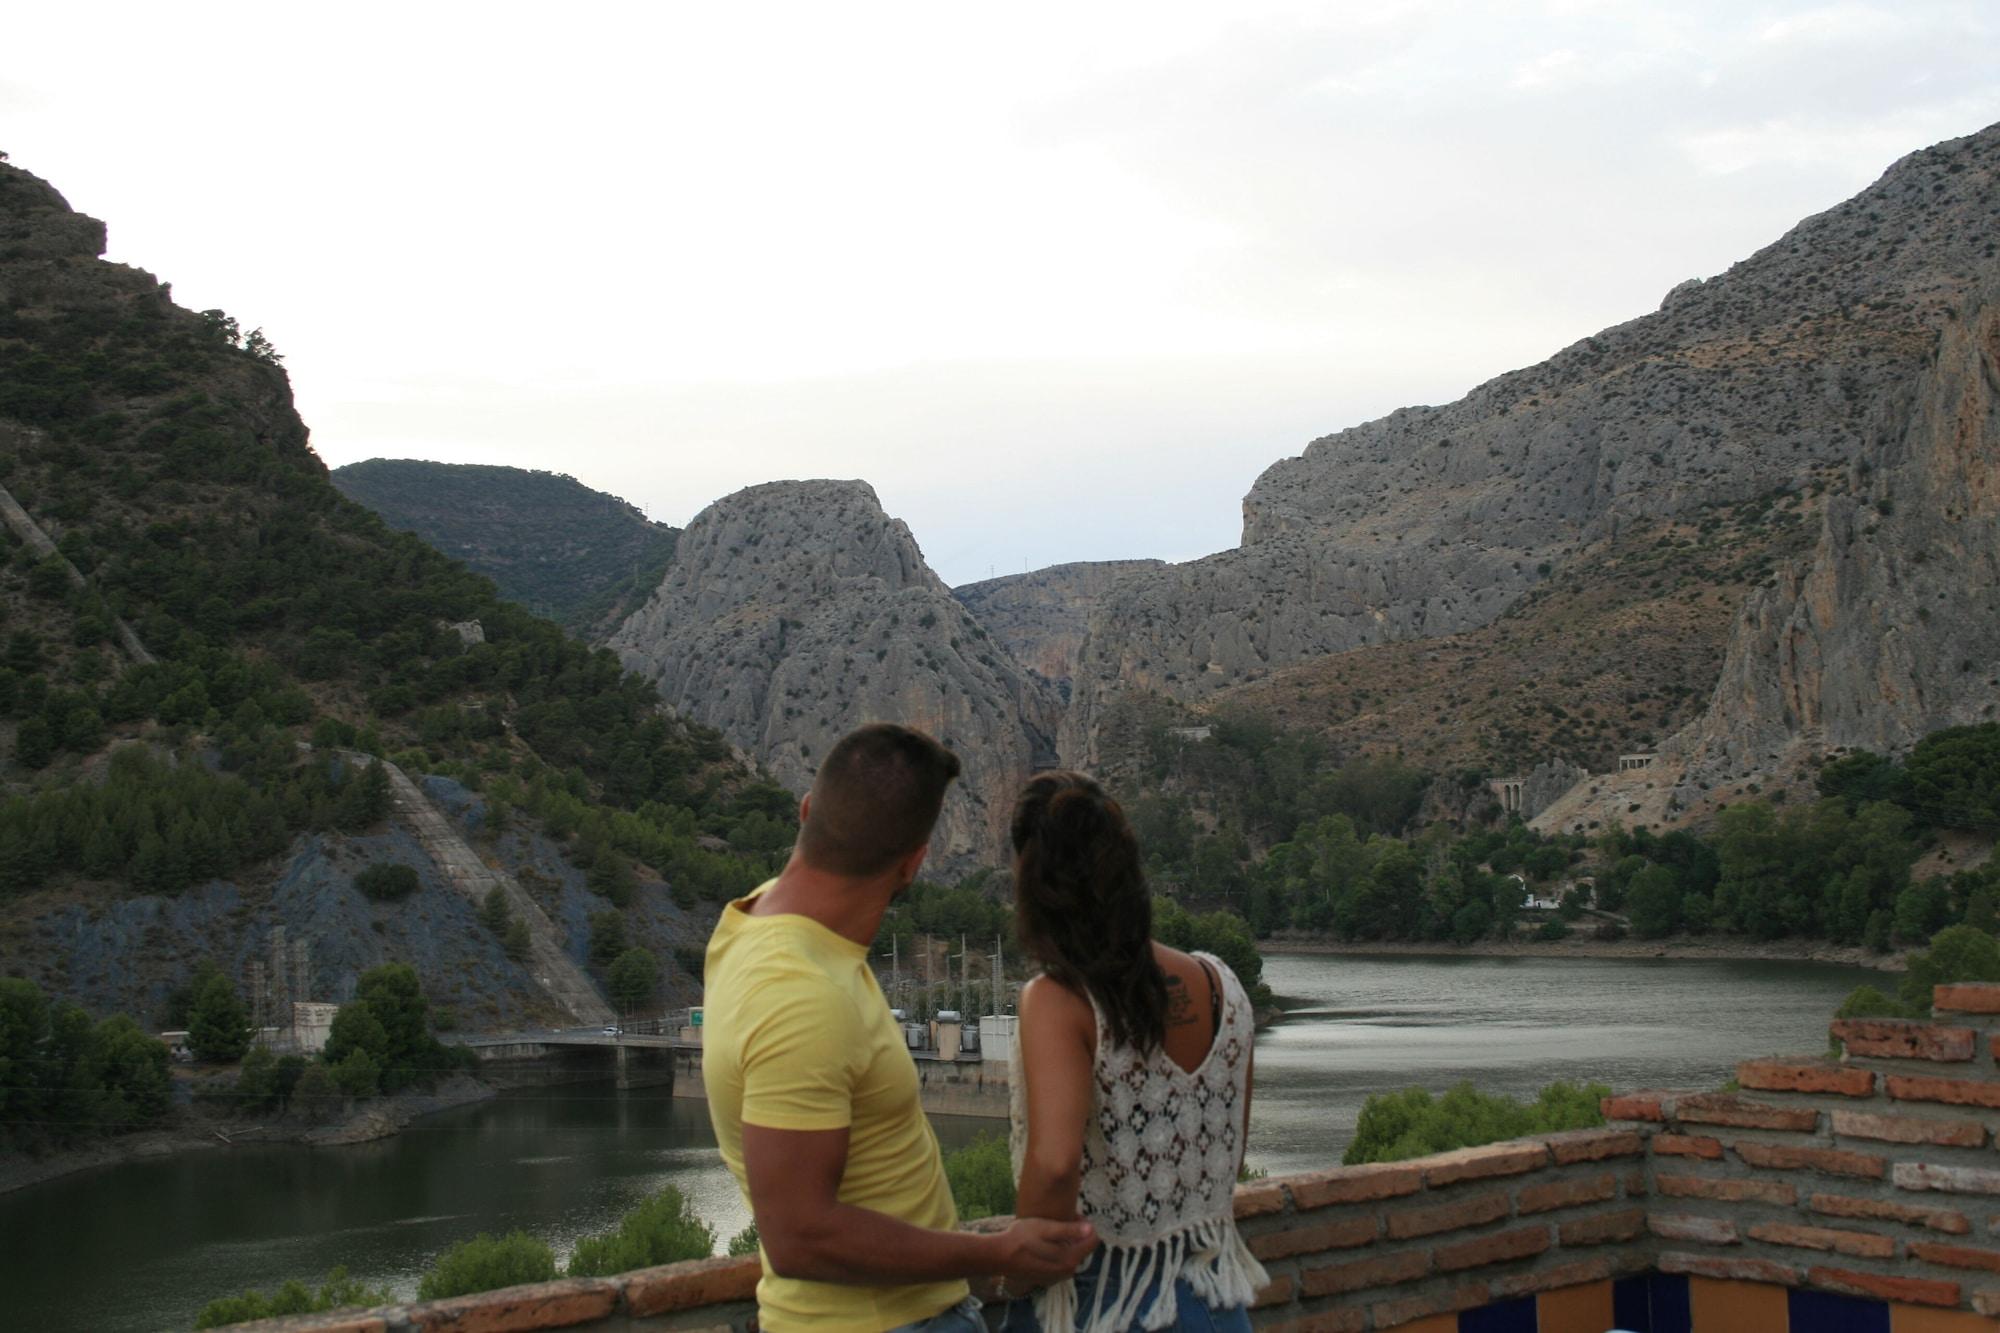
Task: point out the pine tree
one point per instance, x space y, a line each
218 1026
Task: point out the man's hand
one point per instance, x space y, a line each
1035 1251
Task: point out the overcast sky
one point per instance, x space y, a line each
1060 280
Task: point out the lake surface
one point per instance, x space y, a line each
144 1245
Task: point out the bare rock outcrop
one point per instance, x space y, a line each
797 610
1788 371
1892 628
1041 617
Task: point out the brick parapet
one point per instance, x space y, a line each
1822 1174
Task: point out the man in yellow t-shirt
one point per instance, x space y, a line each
812 1090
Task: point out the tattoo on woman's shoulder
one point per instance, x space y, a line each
1180 1004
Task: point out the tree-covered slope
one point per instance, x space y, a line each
559 548
158 448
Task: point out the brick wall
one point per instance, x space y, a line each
1867 1179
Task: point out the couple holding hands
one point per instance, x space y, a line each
1131 1078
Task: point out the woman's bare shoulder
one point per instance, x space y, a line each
1048 1003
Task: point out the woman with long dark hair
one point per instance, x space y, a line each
1131 1081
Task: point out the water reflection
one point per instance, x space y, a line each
1359 1026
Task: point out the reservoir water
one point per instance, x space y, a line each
144 1245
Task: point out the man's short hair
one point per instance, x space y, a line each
875 799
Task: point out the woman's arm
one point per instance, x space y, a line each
1058 1048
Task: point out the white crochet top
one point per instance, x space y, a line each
1160 1154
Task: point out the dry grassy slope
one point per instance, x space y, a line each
1614 651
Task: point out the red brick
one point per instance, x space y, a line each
1566 1193
1955 1256
1681 1226
1603 1228
1857 1244
1355 1184
1454 1216
1361 1274
315 1323
1595 1145
690 1285
1574 1274
1932 1219
1324 1321
1394 1314
1260 1199
1909 1129
1831 1161
1956 1091
1967 998
1503 1247
1728 1191
1633 1106
1805 1076
1945 1179
1726 1108
1688 1145
1730 1270
576 1300
1344 1233
1905 1039
1278 1291
1495 1159
1913 1290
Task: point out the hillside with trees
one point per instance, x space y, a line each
582 558
277 623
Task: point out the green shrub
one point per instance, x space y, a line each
1868 1002
485 1263
1957 953
338 1292
218 1024
384 881
1396 1126
982 1178
745 1241
633 975
662 1230
1552 930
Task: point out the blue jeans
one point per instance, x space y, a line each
960 1318
1098 1283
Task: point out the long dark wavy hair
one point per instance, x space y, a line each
1081 906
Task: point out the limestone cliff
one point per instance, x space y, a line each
1041 617
797 610
1790 371
1892 628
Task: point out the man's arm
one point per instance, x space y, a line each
806 1232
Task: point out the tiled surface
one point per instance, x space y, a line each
1578 1310
1824 1312
1737 1307
1663 1303
1506 1317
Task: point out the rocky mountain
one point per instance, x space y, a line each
199 635
1839 365
1041 617
797 610
583 558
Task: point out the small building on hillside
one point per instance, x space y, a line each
1537 899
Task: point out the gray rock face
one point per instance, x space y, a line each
1892 628
798 610
1041 617
1785 370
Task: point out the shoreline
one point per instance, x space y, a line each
1689 948
380 1118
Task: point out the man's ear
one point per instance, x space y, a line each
805 806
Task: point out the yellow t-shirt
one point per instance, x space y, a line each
797 1035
